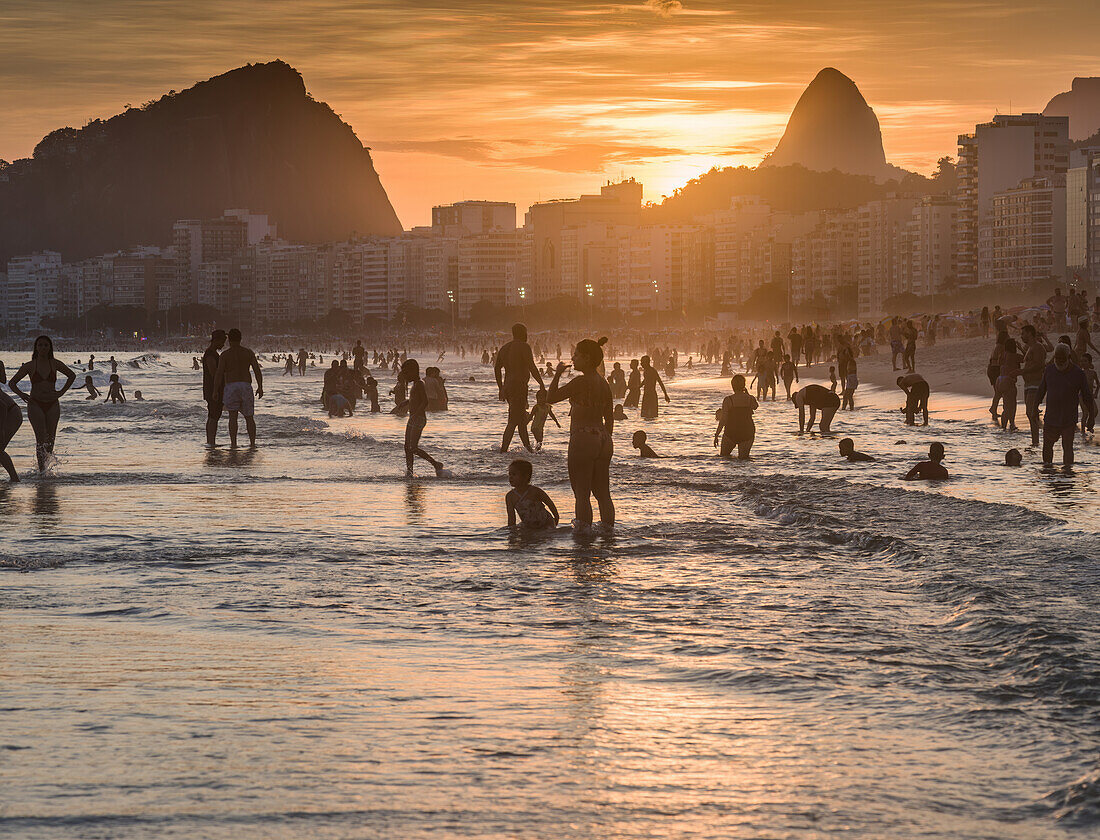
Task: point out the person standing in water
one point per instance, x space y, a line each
735 423
233 380
213 398
591 425
514 367
43 401
1063 386
1036 347
633 386
11 418
418 418
650 380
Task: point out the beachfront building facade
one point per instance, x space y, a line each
1028 227
996 157
1083 215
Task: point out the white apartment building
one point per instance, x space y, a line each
31 290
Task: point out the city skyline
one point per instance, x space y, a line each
545 98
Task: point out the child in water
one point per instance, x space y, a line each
620 414
534 507
932 469
539 413
639 443
1013 458
114 391
93 392
848 450
138 397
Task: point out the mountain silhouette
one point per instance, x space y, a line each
833 127
252 137
1081 103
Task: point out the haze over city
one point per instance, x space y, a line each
529 101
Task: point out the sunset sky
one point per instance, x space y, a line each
519 101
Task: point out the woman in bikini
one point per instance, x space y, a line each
43 409
591 424
11 418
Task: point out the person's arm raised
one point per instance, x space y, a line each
556 393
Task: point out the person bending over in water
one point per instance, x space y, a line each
816 398
233 381
916 397
848 450
644 449
11 418
418 418
535 509
115 393
338 405
539 414
89 386
735 424
43 402
930 470
591 424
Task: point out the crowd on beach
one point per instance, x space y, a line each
1058 376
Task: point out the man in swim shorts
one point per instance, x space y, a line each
517 364
234 382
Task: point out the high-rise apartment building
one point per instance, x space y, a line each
998 156
472 218
1028 232
1083 215
880 261
31 291
197 241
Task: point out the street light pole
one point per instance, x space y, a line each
588 291
454 328
657 306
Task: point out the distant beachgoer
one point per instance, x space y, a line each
789 373
1034 363
909 358
650 380
436 389
816 398
1006 384
1089 407
339 406
371 391
303 358
1083 340
89 386
930 470
832 379
114 365
43 401
851 382
897 347
620 413
115 393
11 418
644 449
358 353
1013 458
539 415
848 450
233 381
531 504
209 374
633 386
514 367
418 418
591 425
289 367
138 397
91 362
617 381
916 397
735 423
1063 386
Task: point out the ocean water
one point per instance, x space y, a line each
297 642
